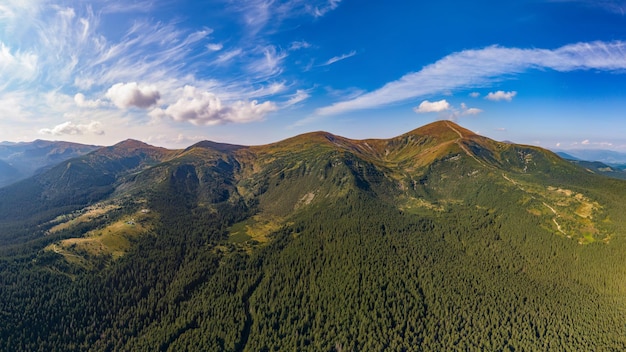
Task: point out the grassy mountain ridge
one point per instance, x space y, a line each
26 159
69 186
438 239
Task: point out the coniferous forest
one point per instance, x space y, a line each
437 240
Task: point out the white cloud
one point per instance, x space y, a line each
474 94
125 95
319 11
68 48
469 111
16 66
269 63
266 15
585 142
300 96
615 6
83 102
205 108
472 111
70 128
482 67
127 6
501 95
334 59
427 106
215 46
297 45
228 56
445 110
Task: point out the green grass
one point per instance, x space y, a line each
114 240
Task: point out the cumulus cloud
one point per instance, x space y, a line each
70 128
445 110
472 111
501 95
482 67
334 59
427 106
469 111
474 94
83 102
204 108
125 95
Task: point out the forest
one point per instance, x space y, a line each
326 252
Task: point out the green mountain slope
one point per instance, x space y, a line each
71 185
438 239
29 158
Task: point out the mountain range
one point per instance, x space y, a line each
437 239
22 160
599 155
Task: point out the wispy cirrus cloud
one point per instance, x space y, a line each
269 64
300 44
300 96
615 6
259 15
323 9
117 6
334 59
16 66
481 67
82 71
228 56
215 46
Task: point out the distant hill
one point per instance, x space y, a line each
26 158
614 170
601 168
8 173
566 156
438 239
603 156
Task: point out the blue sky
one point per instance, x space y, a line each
544 72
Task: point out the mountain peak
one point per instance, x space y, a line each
133 147
443 129
222 147
132 144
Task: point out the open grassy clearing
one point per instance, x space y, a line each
571 214
255 230
90 213
413 205
113 240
